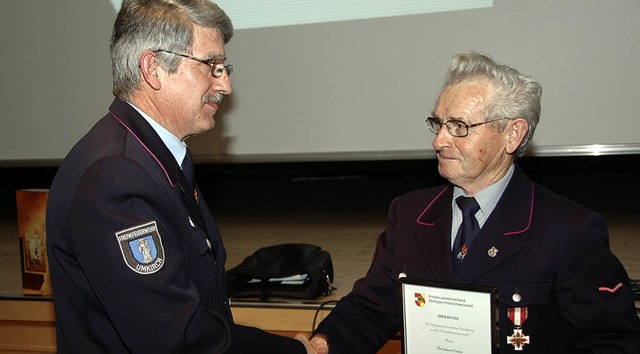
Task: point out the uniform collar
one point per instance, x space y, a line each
141 130
486 198
147 137
514 217
174 144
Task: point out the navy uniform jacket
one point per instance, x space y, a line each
550 250
137 264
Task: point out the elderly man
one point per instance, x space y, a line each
548 256
137 263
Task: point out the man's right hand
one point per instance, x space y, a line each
317 345
320 345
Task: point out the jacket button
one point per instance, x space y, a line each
516 297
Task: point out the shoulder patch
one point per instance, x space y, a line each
141 248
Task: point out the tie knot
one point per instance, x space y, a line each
468 205
188 159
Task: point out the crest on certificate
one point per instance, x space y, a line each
420 299
141 248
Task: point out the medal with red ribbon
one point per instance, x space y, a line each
518 315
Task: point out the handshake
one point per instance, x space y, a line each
317 344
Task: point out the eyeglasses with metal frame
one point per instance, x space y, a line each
218 67
455 127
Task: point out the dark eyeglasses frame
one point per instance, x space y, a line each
215 65
432 122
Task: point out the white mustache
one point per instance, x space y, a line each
215 98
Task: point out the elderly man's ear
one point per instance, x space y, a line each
516 131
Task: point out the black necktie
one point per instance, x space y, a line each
187 170
468 229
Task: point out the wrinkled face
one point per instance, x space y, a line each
190 97
479 159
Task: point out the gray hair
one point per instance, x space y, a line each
158 24
514 95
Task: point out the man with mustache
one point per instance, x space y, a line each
129 181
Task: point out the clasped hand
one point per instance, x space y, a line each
317 345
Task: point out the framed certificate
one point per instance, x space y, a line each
447 318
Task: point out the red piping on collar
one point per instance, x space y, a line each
530 216
429 206
505 234
173 185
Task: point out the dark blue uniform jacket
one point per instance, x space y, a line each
551 251
137 263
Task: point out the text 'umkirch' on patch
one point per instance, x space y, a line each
141 248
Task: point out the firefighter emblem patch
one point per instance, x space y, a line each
141 248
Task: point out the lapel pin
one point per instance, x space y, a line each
493 251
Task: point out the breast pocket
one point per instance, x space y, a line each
200 240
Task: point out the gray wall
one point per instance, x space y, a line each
343 90
56 74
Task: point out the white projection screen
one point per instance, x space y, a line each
335 80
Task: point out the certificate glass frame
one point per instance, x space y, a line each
440 318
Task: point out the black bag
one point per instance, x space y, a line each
290 270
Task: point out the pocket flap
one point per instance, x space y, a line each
200 240
524 293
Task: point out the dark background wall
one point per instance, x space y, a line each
608 184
